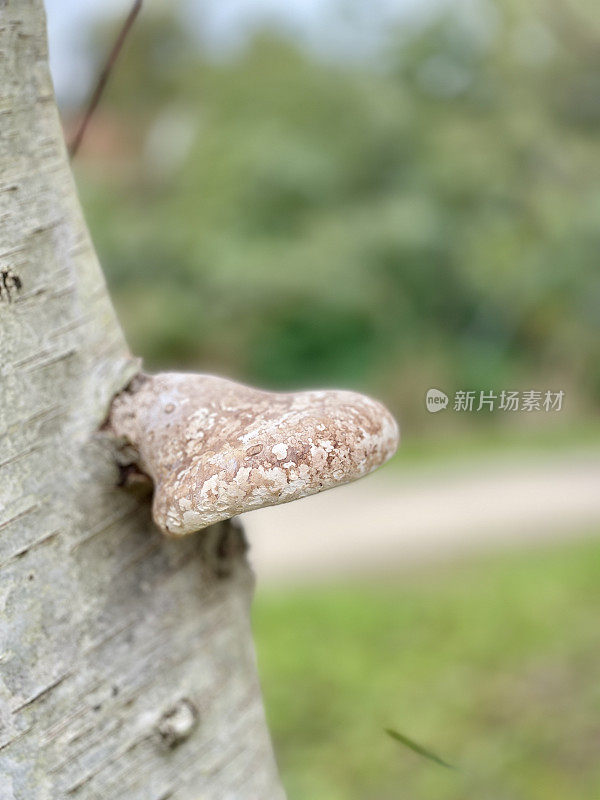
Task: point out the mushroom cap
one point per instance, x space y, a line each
216 448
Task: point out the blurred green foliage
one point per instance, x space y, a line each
429 218
492 663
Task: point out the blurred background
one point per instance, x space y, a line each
389 196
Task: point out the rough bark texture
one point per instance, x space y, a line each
126 661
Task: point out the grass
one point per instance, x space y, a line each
493 665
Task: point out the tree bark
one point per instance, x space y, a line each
127 667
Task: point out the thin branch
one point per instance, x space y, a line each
103 78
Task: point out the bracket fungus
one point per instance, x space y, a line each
215 448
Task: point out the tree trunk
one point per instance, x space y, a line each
127 668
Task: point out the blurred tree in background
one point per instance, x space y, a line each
428 218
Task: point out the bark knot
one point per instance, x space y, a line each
178 722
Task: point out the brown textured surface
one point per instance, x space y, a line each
215 448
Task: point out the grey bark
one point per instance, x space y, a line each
127 667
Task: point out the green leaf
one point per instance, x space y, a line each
417 748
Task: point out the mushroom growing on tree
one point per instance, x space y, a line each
215 448
127 668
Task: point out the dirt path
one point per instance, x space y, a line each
395 517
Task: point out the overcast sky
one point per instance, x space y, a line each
333 27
